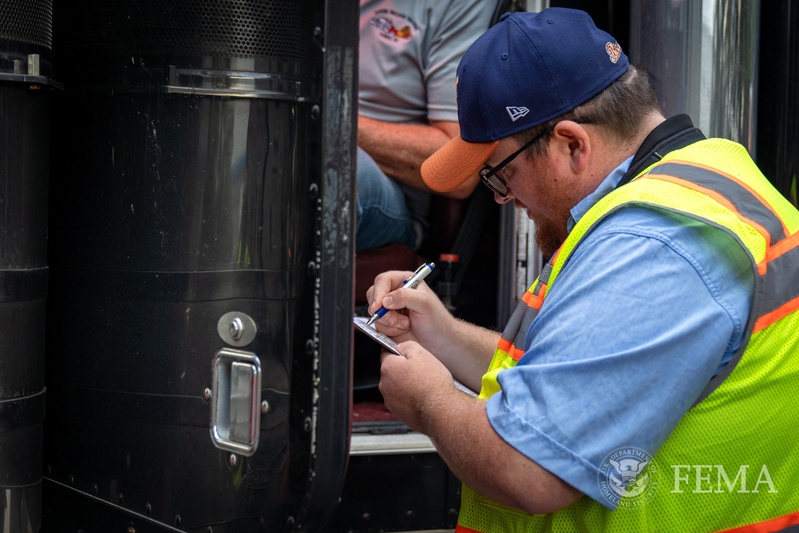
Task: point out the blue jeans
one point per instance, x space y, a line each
382 216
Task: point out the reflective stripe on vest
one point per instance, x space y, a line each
747 414
510 346
526 310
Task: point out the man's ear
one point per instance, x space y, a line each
574 143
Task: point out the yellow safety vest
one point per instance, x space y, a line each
732 463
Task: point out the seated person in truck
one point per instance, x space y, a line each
648 379
409 51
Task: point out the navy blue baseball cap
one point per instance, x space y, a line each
527 69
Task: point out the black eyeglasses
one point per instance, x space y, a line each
490 175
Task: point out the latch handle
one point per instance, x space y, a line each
236 401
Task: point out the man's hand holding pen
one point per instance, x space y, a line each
412 314
386 294
412 384
420 384
410 282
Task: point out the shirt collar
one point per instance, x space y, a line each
605 187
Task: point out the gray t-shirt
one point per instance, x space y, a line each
409 54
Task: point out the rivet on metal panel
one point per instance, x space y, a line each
232 460
264 407
236 328
207 394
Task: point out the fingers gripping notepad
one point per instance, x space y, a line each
389 344
385 341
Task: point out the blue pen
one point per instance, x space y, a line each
412 282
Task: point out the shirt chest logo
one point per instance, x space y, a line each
393 26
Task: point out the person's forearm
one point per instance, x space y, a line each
481 459
468 351
400 149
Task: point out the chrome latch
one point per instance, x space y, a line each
236 401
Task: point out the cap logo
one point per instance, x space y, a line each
516 112
614 51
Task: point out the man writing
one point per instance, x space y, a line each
662 333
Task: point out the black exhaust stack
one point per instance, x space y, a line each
200 226
26 33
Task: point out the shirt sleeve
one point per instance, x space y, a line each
462 22
648 308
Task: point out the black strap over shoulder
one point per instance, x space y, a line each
672 134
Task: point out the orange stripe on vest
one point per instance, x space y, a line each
775 524
781 312
504 345
784 246
516 353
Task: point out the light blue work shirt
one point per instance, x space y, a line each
648 308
